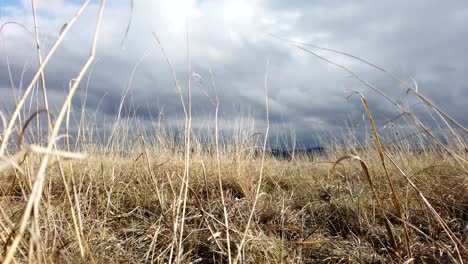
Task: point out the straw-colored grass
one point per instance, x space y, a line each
305 212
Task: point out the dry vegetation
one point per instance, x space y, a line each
150 200
125 208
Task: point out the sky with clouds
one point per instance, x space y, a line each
421 40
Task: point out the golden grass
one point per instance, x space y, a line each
304 211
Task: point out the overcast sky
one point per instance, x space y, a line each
425 40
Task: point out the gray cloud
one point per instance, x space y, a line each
423 40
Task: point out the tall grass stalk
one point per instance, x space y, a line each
260 178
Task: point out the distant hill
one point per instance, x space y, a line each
287 154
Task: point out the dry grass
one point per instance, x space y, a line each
148 199
304 212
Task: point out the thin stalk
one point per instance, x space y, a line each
218 161
188 123
262 165
40 60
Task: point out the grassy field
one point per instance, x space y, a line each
110 208
143 198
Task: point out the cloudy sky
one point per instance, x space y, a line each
421 40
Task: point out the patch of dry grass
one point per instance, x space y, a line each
305 212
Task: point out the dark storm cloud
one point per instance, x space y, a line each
424 40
